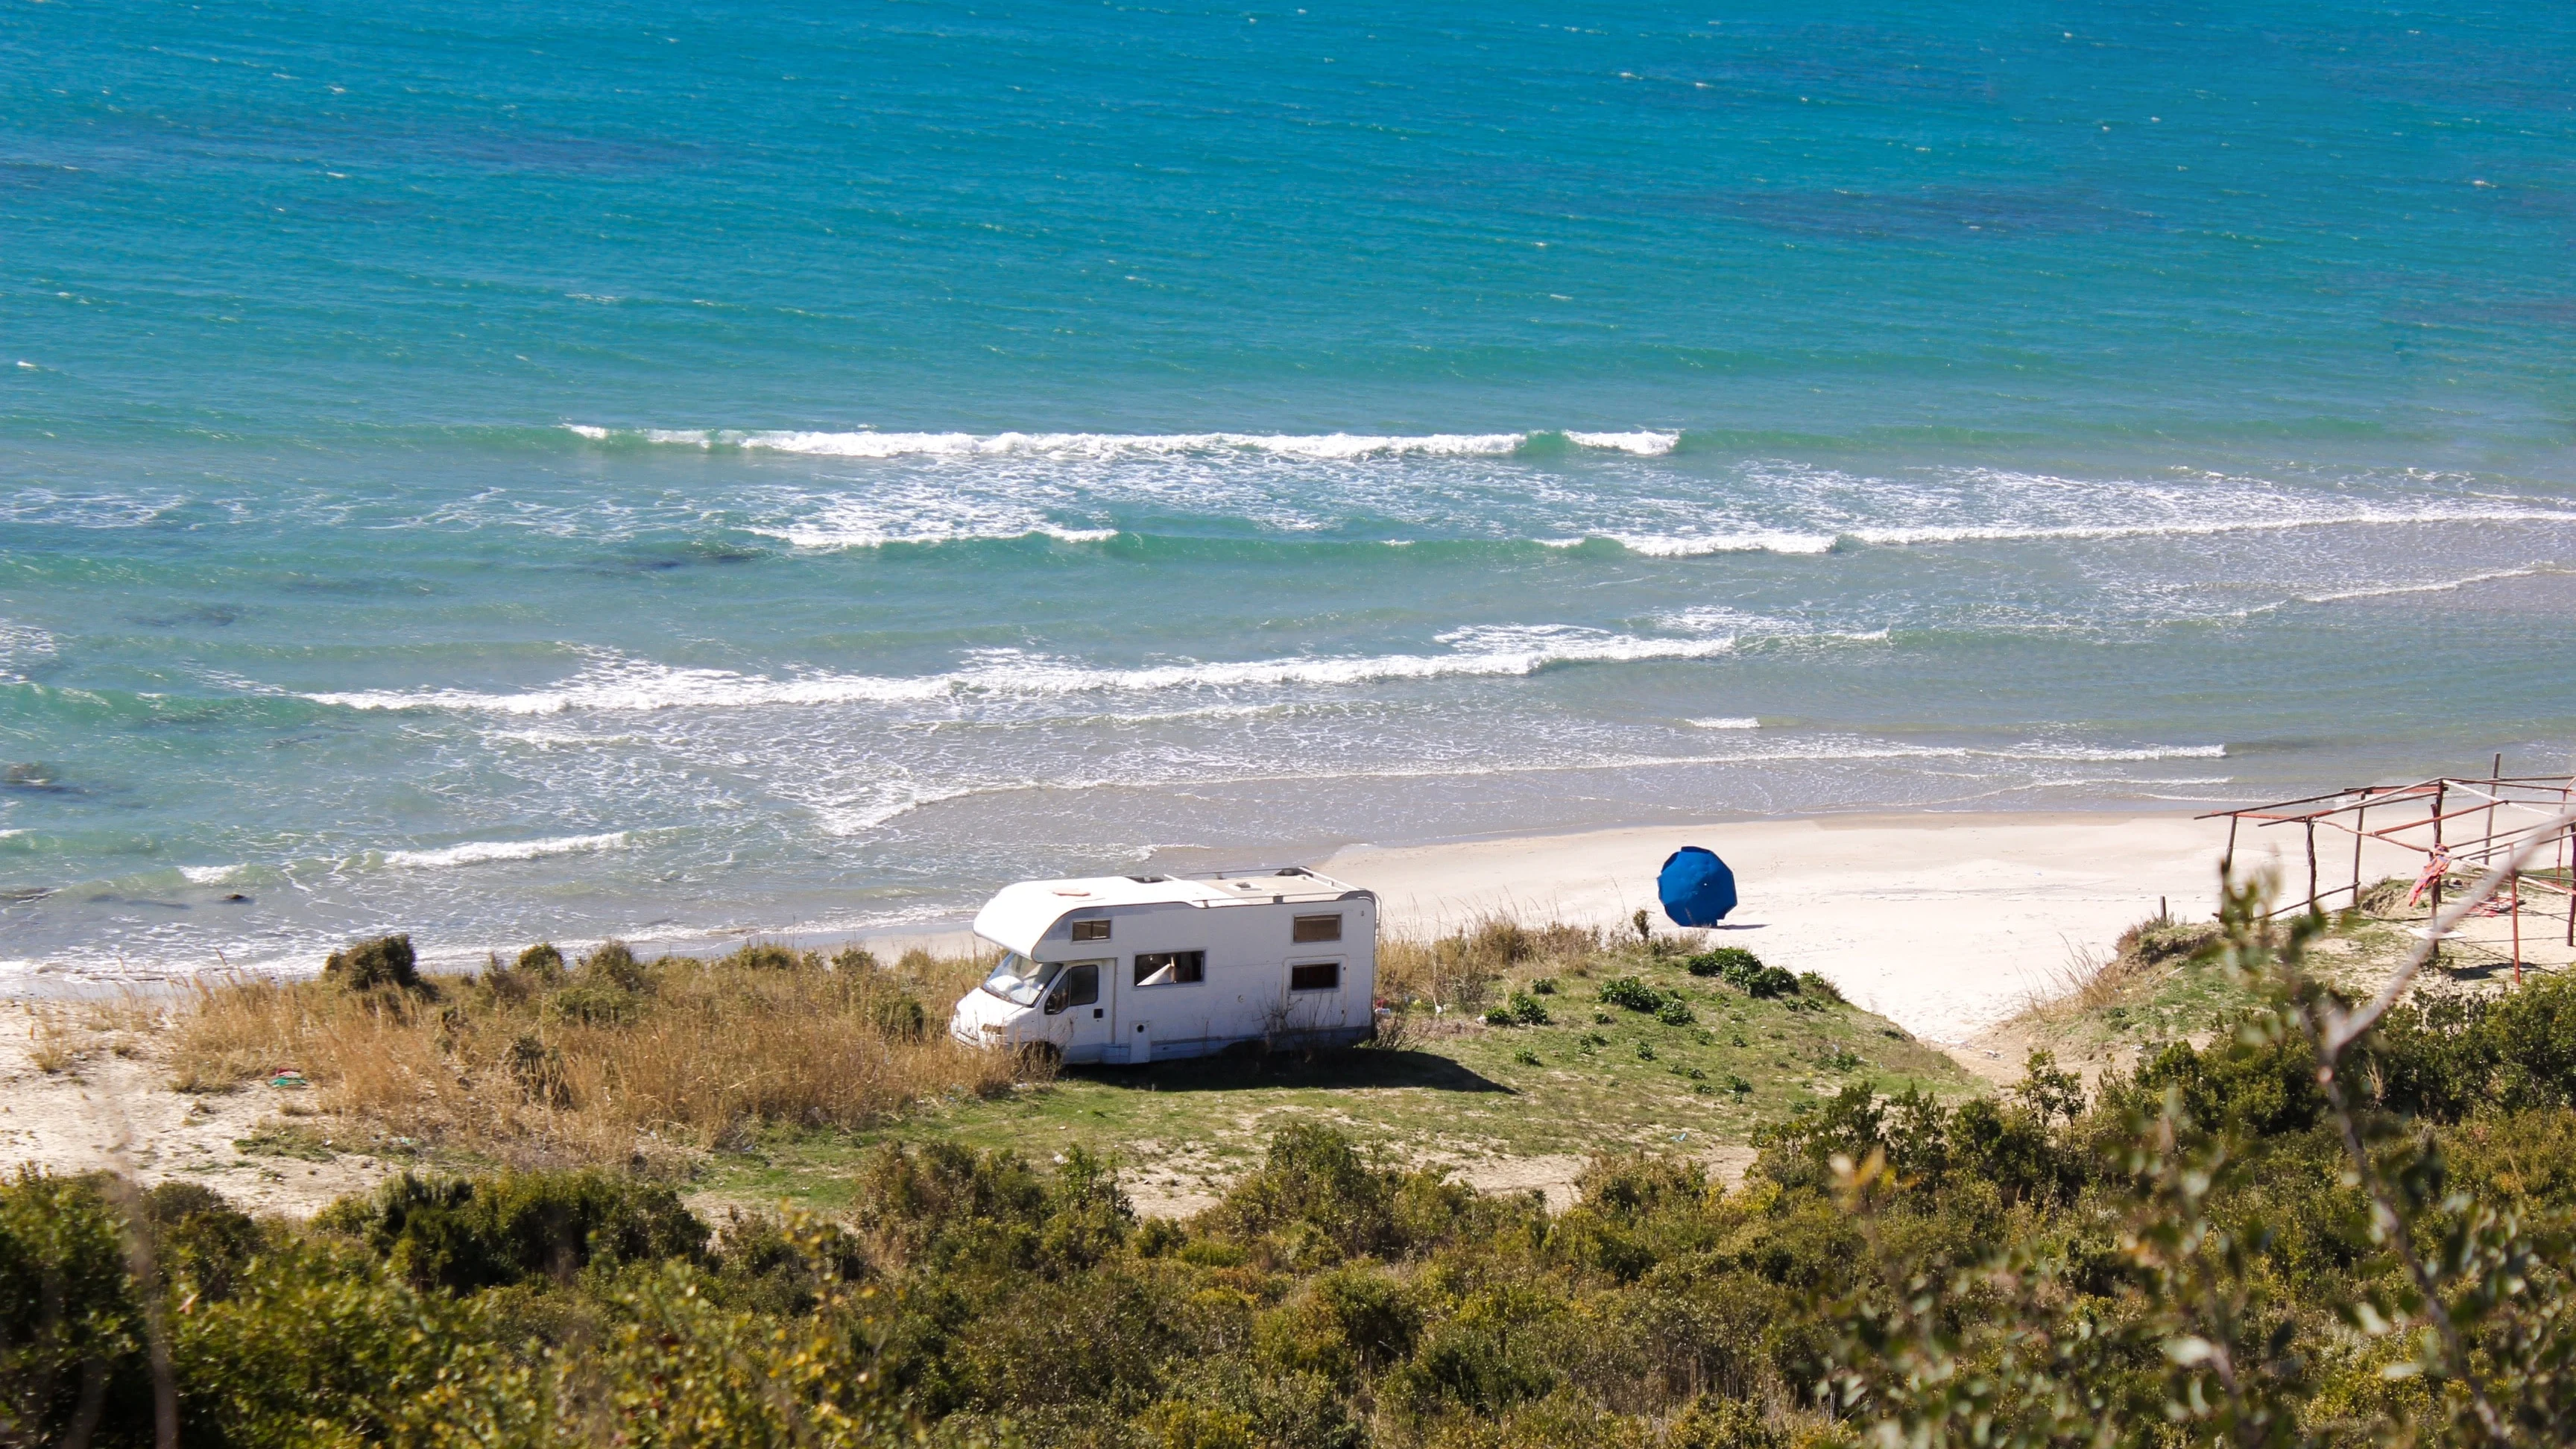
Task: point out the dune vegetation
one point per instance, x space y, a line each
608 1059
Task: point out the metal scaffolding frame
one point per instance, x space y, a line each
2453 823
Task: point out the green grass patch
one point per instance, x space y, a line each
1703 1067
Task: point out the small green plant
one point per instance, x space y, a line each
1714 963
1543 986
1645 1051
1629 992
1527 1058
1738 1085
1674 1012
1815 987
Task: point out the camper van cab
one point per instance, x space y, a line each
1129 969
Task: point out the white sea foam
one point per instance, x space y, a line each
476 852
208 874
1803 542
870 444
634 685
1644 445
22 647
2440 586
1725 722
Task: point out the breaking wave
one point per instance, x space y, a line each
871 444
476 852
635 685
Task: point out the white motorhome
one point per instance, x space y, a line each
1128 969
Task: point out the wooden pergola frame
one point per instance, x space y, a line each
2465 822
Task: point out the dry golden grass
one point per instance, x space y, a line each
1459 970
608 1060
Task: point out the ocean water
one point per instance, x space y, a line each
677 471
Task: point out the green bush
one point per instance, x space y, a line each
461 1234
611 964
1633 994
71 1320
1674 1012
1815 987
383 963
541 962
1715 963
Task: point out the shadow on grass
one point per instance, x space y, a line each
1338 1069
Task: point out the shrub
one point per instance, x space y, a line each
541 962
461 1234
768 956
1745 972
1314 1177
1715 963
385 962
1674 1012
611 963
1814 986
71 1324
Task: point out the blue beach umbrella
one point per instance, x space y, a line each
1697 888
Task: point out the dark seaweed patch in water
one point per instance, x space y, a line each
34 778
21 895
689 555
211 615
319 584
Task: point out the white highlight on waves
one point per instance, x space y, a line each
869 444
476 852
2442 586
1790 541
621 684
1725 722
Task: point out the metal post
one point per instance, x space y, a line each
2227 861
2312 867
2360 821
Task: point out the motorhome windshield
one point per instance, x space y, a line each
1019 980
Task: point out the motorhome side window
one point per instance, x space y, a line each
1079 986
1091 930
1170 968
1316 928
1316 976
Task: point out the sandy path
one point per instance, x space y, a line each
114 1110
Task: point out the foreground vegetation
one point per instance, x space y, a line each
2326 1225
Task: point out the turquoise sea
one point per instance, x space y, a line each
660 470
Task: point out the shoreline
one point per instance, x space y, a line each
1947 940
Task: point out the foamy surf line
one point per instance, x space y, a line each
639 686
1790 541
478 852
871 444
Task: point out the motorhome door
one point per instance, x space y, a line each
1077 1007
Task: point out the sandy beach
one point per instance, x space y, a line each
1946 924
